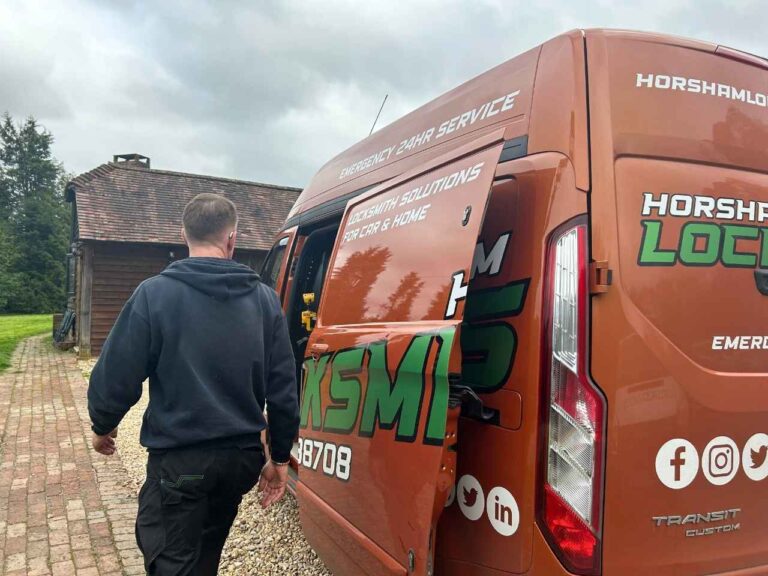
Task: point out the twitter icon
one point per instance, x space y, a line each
754 458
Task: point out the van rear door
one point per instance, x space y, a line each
679 211
377 436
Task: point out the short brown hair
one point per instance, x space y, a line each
208 215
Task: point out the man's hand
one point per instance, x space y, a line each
272 483
105 444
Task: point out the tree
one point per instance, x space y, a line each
400 302
35 218
355 279
9 281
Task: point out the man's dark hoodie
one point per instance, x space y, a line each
213 341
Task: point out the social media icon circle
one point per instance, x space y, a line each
677 463
720 460
470 495
451 496
502 510
754 458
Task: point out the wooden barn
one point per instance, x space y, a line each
126 227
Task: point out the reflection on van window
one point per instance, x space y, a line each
369 286
271 269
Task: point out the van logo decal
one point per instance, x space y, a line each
406 208
391 400
755 457
488 341
471 497
499 505
740 242
678 463
701 522
702 87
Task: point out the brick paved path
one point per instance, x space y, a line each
63 508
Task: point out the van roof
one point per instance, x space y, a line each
500 97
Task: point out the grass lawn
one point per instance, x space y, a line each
13 329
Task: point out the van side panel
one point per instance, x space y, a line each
559 119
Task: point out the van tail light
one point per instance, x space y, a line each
573 413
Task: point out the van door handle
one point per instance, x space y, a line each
761 280
317 349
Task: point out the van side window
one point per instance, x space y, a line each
271 268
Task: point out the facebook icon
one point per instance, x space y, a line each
677 463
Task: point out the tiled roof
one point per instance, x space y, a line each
125 202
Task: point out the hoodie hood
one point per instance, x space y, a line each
216 277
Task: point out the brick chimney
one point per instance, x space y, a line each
133 160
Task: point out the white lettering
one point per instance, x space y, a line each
744 342
704 207
678 83
458 292
644 81
675 208
699 86
740 343
489 264
748 209
509 101
491 111
460 122
649 204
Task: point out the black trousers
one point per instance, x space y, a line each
187 506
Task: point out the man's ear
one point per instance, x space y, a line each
231 240
184 236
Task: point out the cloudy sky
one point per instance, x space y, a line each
269 90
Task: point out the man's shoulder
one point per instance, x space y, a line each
267 293
153 286
152 283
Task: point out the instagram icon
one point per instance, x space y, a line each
720 460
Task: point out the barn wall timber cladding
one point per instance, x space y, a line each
117 271
119 268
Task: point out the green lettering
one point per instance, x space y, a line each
345 389
397 402
764 251
507 300
730 256
488 352
650 254
711 234
310 402
438 407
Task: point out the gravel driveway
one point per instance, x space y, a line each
261 542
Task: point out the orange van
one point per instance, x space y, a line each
531 322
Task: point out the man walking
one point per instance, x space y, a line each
213 341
